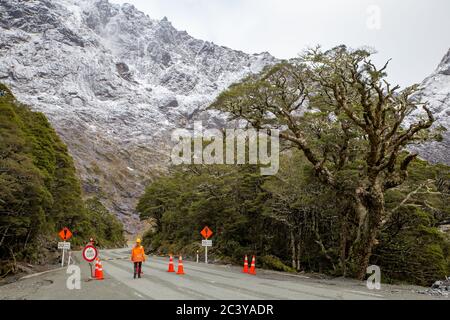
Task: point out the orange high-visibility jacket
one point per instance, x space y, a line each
138 254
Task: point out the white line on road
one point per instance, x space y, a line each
366 293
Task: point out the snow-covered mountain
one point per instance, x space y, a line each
114 83
436 92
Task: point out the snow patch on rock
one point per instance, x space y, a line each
114 83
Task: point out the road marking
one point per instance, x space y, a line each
201 274
286 274
124 277
366 293
180 287
198 274
203 290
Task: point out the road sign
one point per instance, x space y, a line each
206 243
90 253
65 234
206 232
64 245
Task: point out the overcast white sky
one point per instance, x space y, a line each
414 33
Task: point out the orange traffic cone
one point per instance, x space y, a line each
253 267
171 268
98 270
93 276
180 266
245 270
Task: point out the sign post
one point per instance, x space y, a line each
64 234
64 246
206 233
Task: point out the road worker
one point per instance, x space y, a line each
138 256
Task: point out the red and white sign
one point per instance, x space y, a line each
90 253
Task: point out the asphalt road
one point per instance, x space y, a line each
200 282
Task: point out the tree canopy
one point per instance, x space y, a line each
337 107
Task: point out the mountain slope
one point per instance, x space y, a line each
114 83
40 192
436 91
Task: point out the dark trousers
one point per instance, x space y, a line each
137 269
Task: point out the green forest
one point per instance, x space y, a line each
348 194
40 192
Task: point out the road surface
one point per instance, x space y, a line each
200 282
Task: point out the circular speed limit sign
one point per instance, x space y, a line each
90 253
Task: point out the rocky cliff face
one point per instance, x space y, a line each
114 83
436 92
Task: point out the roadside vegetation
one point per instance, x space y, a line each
348 193
40 192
